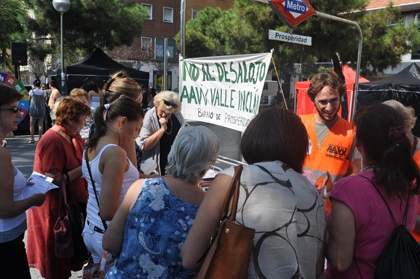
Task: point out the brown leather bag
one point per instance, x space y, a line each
229 253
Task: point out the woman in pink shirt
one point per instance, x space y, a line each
360 224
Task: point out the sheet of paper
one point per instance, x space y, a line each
41 184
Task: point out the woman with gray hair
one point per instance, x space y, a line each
151 225
160 126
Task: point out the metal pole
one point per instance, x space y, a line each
165 64
182 31
359 57
63 76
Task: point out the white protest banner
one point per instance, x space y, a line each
223 90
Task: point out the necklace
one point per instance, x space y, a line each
172 127
368 166
415 144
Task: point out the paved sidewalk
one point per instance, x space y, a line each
23 158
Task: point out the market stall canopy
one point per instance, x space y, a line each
305 105
98 67
403 87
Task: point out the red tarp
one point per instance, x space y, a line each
304 104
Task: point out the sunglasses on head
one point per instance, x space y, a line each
170 104
13 109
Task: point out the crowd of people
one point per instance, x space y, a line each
309 186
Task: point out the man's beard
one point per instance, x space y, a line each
321 114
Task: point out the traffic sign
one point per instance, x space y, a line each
292 12
290 38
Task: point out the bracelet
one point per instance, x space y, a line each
324 192
66 174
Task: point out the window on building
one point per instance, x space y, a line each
149 7
194 13
168 14
415 53
146 42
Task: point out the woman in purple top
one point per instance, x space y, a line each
360 225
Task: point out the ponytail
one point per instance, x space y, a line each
387 148
100 127
107 113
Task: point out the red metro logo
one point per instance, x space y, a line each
292 12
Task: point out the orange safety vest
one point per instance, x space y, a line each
333 155
415 233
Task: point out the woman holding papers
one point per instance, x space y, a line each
13 261
59 152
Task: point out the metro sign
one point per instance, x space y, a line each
292 12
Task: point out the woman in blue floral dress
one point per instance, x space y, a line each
151 225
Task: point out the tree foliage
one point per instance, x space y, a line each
244 29
12 14
87 25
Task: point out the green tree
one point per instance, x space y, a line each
87 25
12 13
244 29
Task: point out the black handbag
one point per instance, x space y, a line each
76 212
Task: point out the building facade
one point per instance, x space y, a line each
164 21
410 11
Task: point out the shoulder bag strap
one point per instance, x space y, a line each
233 194
63 196
389 209
94 187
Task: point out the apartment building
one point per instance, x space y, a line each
410 11
164 21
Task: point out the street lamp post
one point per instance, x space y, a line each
62 6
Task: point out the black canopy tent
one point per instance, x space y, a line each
403 87
98 67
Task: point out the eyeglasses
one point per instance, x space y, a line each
170 104
324 103
13 109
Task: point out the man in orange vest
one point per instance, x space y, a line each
331 152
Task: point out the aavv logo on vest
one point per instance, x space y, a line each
336 152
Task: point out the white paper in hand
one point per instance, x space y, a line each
41 184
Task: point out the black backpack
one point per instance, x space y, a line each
400 258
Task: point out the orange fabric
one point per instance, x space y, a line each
415 233
333 154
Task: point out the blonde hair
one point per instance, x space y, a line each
169 96
79 92
120 84
407 113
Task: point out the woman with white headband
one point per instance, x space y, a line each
107 168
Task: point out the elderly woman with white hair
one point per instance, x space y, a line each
151 225
160 126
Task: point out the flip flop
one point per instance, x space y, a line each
30 141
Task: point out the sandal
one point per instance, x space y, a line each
30 141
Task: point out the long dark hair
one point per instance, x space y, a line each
380 130
123 106
275 134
